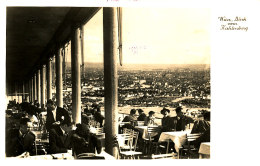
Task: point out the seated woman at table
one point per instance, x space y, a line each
167 121
149 120
60 137
20 140
84 141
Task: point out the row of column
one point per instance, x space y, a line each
37 82
38 85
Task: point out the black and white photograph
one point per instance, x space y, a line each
135 81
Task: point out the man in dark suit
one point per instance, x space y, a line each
141 116
55 115
60 137
20 140
181 120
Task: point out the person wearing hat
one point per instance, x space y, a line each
167 121
55 114
181 120
149 120
60 137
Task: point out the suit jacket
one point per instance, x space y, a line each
59 142
16 143
168 124
59 113
182 122
141 117
87 144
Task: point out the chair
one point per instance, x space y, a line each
41 143
188 147
127 141
152 131
121 124
99 130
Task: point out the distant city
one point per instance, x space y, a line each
144 85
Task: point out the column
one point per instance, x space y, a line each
110 77
75 74
35 87
43 87
23 89
39 86
59 85
29 90
49 79
32 88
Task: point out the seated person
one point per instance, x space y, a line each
99 117
181 120
205 137
131 118
141 116
149 120
167 121
200 126
20 140
60 137
84 141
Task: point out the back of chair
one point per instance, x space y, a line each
151 130
135 138
99 131
193 137
127 131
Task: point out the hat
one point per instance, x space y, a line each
178 109
151 113
140 111
165 110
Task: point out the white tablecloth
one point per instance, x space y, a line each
178 137
205 148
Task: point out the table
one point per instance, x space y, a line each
204 151
58 156
106 155
178 137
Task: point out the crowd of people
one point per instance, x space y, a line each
201 123
22 120
25 118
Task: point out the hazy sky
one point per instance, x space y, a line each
156 36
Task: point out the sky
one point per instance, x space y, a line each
156 36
